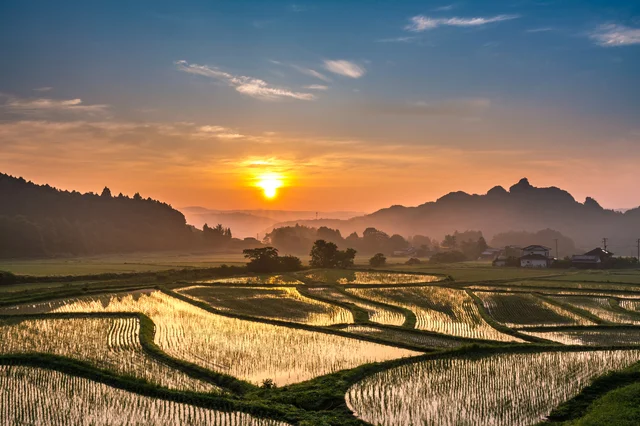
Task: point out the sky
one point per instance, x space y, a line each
336 105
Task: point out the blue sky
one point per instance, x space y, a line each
189 101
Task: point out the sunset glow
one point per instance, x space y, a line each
269 183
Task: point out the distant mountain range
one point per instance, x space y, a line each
521 208
249 223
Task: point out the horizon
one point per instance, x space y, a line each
322 106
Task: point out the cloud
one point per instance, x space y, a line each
38 105
539 30
397 39
312 73
421 23
249 86
611 35
42 89
456 107
316 87
346 68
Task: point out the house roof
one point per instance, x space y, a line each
535 257
598 252
536 247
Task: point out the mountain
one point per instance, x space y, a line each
521 208
38 220
249 223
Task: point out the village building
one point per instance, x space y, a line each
536 256
595 258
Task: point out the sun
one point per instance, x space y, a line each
269 182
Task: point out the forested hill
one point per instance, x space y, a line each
521 208
38 220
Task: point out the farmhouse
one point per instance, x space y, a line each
595 258
535 256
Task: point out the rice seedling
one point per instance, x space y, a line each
345 277
438 309
600 307
578 285
281 303
519 309
109 343
377 313
614 337
503 389
630 305
255 280
34 396
405 337
249 350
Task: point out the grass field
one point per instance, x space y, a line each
134 262
281 303
469 391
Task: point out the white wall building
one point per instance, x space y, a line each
535 257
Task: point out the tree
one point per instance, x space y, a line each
448 257
377 260
326 255
106 193
267 259
264 259
449 242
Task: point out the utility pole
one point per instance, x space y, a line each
638 242
316 215
557 254
604 243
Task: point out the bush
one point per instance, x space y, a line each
413 261
378 259
266 260
7 278
448 257
326 255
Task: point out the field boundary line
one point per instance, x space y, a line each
571 308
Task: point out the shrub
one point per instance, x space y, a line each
413 261
448 257
378 259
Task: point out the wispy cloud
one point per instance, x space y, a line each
444 8
316 87
611 35
397 39
421 23
539 30
249 86
346 68
454 107
218 132
52 105
42 89
311 72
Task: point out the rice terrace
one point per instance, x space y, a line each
319 213
404 346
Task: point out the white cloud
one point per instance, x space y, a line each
421 23
346 68
615 35
249 86
312 73
53 105
397 40
316 87
42 89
